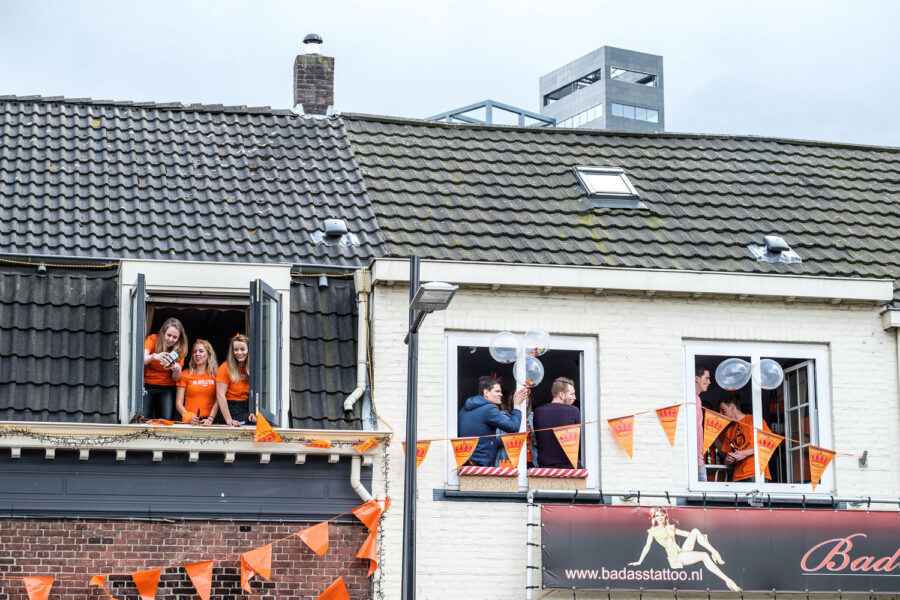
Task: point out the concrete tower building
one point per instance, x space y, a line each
609 88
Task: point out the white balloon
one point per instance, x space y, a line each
534 372
733 374
537 342
503 347
767 374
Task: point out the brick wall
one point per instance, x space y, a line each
314 83
640 367
81 547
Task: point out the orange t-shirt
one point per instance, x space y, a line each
154 372
739 436
238 391
199 392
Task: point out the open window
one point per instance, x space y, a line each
574 357
265 351
137 304
798 409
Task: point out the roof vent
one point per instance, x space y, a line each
335 234
774 250
608 187
312 42
335 227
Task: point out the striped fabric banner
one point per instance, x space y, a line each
492 471
560 473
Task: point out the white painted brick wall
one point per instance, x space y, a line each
477 549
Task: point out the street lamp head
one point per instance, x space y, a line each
432 296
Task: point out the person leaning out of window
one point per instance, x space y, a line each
162 369
233 383
195 393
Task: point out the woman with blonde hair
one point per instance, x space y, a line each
195 394
233 383
162 368
664 534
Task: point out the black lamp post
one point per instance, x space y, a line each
423 299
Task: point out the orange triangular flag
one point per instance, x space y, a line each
713 424
335 591
316 537
421 451
159 422
259 560
98 581
246 573
319 444
201 576
369 550
366 445
766 443
369 513
463 449
668 418
570 439
819 458
623 428
146 582
513 442
187 415
264 431
38 588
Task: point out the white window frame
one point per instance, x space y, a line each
196 278
588 398
757 350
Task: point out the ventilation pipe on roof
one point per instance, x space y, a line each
359 279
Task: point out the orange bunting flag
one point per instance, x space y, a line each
421 451
369 513
766 443
146 582
668 418
38 588
319 444
201 576
819 459
258 560
570 439
365 446
264 431
316 537
623 428
513 442
462 449
713 424
98 581
369 550
335 591
159 422
187 415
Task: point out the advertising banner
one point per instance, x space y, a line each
685 548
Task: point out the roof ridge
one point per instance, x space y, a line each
351 116
176 106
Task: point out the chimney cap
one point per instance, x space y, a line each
313 38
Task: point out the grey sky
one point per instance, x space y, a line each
824 70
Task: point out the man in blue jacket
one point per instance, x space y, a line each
481 416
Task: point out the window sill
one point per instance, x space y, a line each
189 439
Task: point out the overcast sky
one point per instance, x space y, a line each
823 70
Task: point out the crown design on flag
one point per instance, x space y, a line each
621 428
668 414
713 423
818 458
568 436
465 446
767 442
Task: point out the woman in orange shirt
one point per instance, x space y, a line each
195 392
161 371
233 384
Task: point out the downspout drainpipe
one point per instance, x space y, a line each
359 279
529 577
355 483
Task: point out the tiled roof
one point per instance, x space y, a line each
109 180
58 345
323 353
505 194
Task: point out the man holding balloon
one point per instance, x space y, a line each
481 417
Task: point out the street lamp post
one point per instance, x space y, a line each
423 299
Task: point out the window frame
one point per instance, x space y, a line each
194 278
588 397
817 353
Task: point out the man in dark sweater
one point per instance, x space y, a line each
557 413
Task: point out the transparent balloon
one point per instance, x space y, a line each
533 373
767 374
733 374
503 347
537 342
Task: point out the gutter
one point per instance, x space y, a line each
361 283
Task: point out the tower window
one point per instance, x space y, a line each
628 76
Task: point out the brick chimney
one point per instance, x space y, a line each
314 78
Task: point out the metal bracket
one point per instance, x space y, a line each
864 459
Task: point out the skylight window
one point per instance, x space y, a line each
608 187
